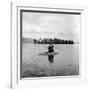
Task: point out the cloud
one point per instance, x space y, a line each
51 25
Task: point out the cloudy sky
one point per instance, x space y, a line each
47 25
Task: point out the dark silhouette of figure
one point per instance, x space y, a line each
50 48
50 58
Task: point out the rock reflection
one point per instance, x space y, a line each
51 58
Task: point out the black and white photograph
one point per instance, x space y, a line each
50 43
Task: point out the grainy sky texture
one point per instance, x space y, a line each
51 25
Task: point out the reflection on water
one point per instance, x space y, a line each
37 63
51 58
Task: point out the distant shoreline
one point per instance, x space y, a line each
47 41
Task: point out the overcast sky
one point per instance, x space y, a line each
47 25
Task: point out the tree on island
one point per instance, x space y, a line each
53 41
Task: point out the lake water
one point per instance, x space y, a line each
65 63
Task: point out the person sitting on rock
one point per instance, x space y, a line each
50 48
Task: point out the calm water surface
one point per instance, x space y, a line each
63 64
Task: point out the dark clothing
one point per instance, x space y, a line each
50 48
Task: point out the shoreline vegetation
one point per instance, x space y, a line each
46 41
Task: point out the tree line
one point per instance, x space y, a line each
53 41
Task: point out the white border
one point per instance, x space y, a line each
15 79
